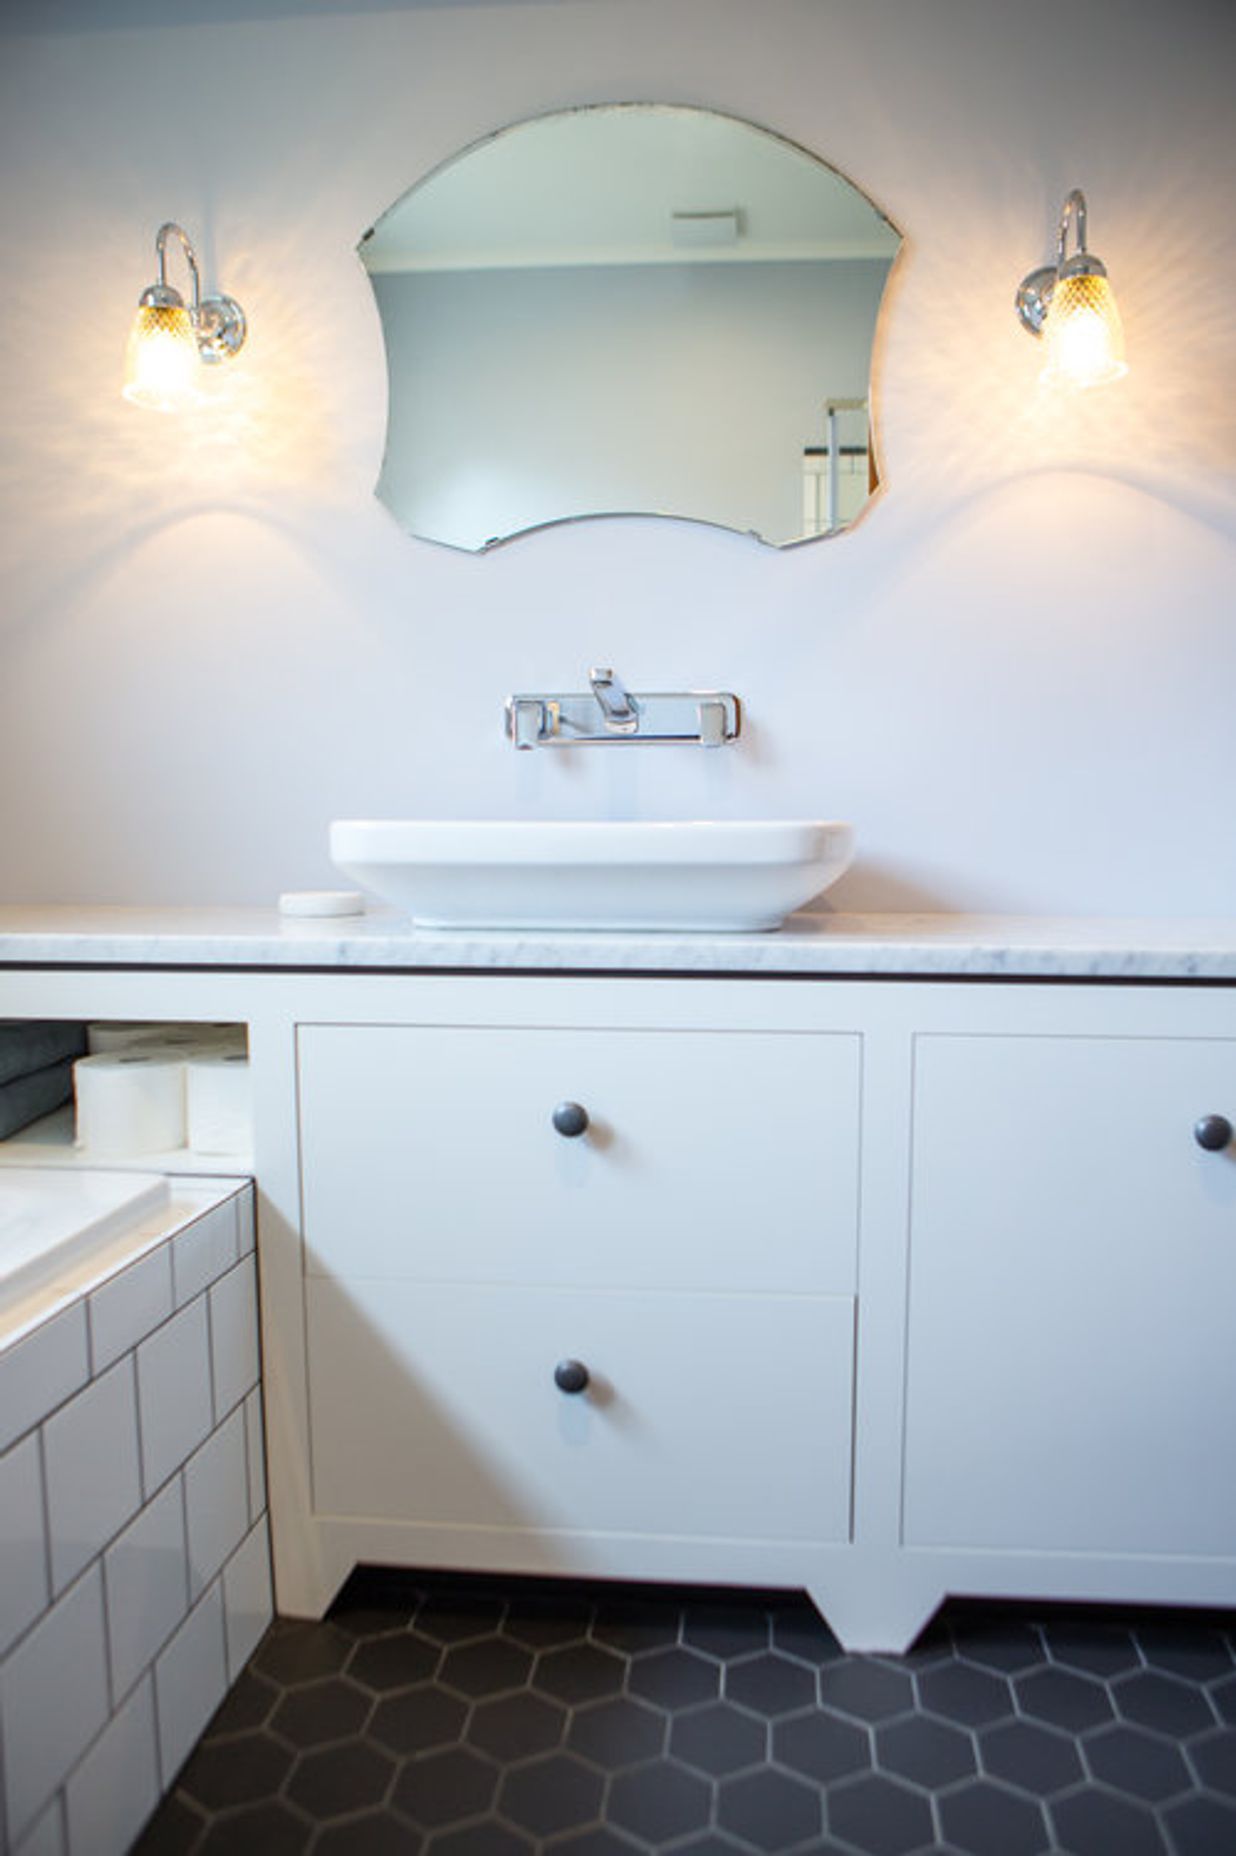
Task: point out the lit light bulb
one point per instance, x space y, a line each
162 365
1082 335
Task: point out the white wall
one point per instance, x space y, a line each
1015 675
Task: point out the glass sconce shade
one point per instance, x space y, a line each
169 342
1071 306
161 363
1082 336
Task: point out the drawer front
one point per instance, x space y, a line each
726 1158
706 1416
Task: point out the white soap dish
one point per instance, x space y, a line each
321 902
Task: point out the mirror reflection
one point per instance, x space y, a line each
629 309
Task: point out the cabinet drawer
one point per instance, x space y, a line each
729 1157
706 1416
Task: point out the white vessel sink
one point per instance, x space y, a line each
689 875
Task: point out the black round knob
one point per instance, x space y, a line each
571 1376
570 1118
1213 1132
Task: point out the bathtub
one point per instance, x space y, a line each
51 1219
134 1547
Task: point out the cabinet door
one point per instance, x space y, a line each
1072 1324
705 1416
712 1159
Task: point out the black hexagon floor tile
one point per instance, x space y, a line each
435 1715
1063 1699
770 1809
1169 1704
578 1672
717 1738
770 1684
321 1711
821 1746
514 1727
1003 1646
1141 1764
394 1661
880 1815
552 1794
439 1790
985 1819
418 1719
659 1802
334 1781
1097 1823
676 1678
963 1693
618 1732
1036 1759
924 1750
866 1689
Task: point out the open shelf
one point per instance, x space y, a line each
50 1142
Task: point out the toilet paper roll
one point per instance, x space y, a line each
129 1101
219 1102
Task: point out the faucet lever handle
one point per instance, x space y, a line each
617 705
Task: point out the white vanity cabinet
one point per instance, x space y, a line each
1072 1296
687 1262
885 1286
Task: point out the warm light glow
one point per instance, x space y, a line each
162 365
1082 336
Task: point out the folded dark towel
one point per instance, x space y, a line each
28 1044
24 1099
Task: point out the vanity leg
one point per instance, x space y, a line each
881 1607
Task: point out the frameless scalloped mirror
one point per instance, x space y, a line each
629 309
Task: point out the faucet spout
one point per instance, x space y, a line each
616 702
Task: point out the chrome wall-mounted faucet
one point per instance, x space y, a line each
609 714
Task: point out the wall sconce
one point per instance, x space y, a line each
168 342
1070 304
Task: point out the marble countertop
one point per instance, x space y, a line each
1046 947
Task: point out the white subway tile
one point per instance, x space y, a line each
204 1250
234 1336
53 1699
23 1541
47 1836
126 1309
190 1681
245 1221
91 1460
255 1440
39 1373
173 1388
246 1597
146 1583
116 1787
216 1501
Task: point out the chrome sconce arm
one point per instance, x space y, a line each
168 340
1071 306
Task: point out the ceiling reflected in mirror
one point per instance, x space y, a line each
631 309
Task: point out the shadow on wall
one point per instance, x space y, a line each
884 889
